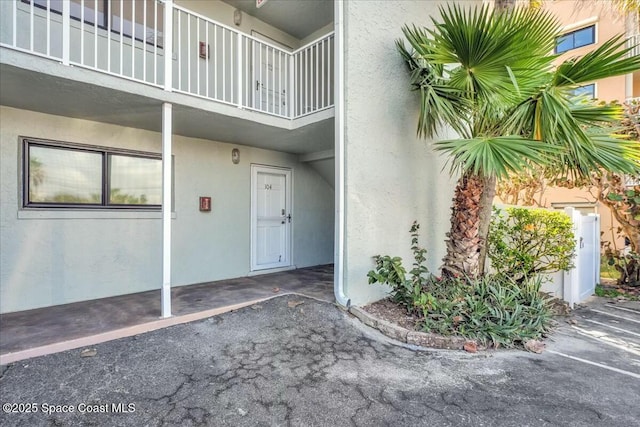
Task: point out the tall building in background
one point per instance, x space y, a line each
586 25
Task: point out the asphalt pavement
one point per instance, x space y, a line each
301 362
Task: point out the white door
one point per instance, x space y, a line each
589 256
270 217
270 93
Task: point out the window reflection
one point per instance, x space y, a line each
67 175
64 176
135 181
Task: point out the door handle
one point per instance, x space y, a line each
288 218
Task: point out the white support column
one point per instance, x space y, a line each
168 45
338 63
166 209
66 31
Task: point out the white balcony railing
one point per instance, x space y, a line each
209 59
633 42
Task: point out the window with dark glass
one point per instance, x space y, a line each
588 91
139 19
68 175
575 39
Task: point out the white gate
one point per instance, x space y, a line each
580 283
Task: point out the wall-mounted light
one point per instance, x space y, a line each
237 17
235 156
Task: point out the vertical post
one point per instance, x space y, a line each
168 45
155 42
291 83
197 43
144 41
48 27
95 32
82 31
189 47
32 29
109 19
239 72
322 54
206 61
215 61
166 209
340 163
14 39
224 66
66 31
133 39
317 76
280 71
121 37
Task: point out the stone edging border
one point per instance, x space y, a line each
398 333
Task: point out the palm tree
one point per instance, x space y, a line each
36 176
490 76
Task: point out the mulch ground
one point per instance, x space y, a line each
391 312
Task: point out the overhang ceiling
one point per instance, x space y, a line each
300 18
35 91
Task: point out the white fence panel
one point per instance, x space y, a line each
580 283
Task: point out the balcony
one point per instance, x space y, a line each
209 60
633 42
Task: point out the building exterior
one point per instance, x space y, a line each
146 144
586 25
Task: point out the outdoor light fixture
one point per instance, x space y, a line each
237 17
235 156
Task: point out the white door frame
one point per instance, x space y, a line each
288 173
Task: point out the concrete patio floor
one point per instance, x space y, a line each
41 331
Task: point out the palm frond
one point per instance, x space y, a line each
608 60
497 156
589 113
489 75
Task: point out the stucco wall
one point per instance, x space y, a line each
391 178
49 257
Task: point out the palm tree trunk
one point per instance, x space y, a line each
486 210
470 218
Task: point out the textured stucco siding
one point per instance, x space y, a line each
392 178
52 257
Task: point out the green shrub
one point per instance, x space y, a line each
494 310
527 242
390 271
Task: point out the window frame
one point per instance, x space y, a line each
595 94
105 187
572 33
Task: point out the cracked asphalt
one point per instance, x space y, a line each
281 364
